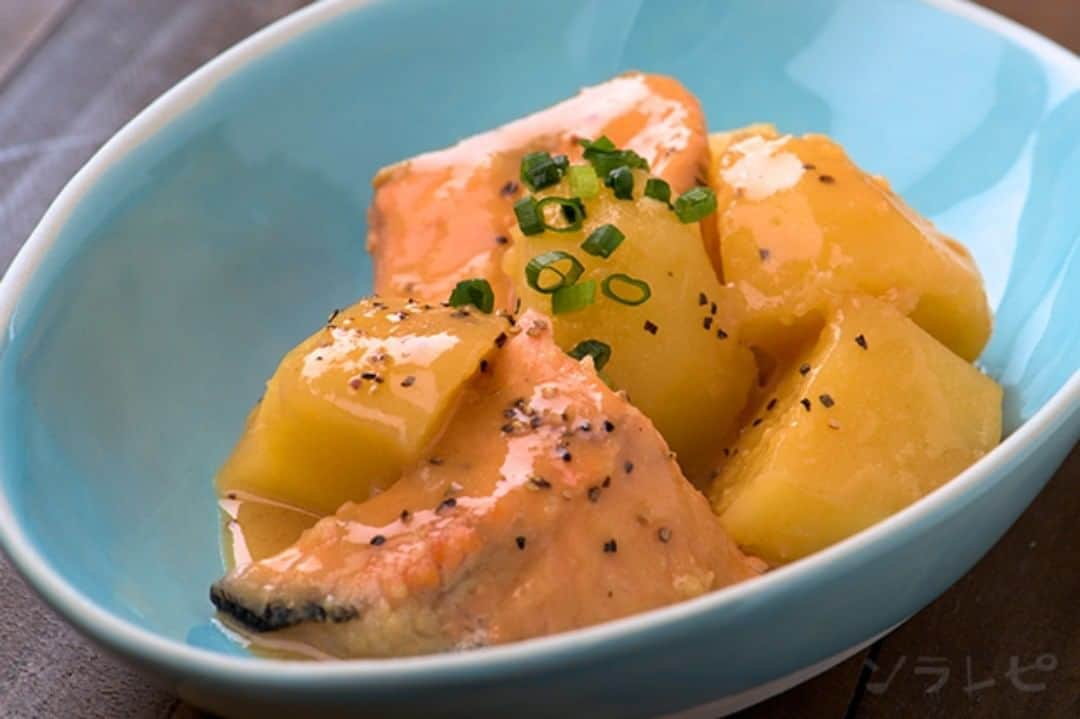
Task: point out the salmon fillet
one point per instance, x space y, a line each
446 216
549 503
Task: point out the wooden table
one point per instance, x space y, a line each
73 71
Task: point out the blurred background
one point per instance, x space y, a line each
72 72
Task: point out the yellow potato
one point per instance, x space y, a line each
800 224
356 402
678 354
875 416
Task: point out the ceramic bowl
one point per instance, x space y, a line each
218 228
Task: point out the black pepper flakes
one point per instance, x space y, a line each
702 299
712 308
378 540
405 515
501 239
664 534
611 546
650 327
628 467
609 426
804 369
826 400
448 503
593 493
508 189
483 365
707 323
763 253
566 457
805 403
720 334
861 341
606 483
500 340
333 316
436 461
520 541
368 375
585 426
539 483
756 422
809 166
827 179
771 405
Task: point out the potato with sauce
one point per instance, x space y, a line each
637 280
350 407
800 225
874 416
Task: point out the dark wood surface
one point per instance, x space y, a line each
1003 642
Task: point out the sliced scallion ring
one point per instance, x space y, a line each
599 351
476 292
573 211
527 211
695 204
602 241
625 289
573 298
553 271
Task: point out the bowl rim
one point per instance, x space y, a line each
135 642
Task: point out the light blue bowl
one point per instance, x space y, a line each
220 226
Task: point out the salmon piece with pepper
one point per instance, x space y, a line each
549 503
445 216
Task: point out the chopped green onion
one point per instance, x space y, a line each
583 181
603 241
573 211
632 298
600 144
476 292
573 298
604 157
599 351
549 264
527 211
695 204
540 169
621 182
657 189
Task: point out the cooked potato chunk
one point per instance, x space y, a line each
799 223
875 416
357 401
677 354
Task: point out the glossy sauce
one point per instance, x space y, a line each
445 216
801 225
474 549
348 409
253 528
